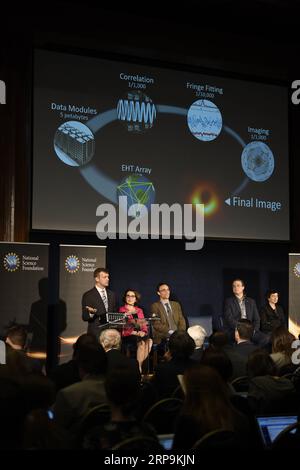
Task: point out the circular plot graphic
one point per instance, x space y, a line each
257 161
204 120
137 111
74 143
138 189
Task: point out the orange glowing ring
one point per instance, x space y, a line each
211 206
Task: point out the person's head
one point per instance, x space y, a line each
198 334
38 392
219 339
181 345
163 291
260 363
122 388
16 337
201 381
92 360
207 399
42 433
272 296
101 276
82 341
244 330
238 287
219 361
282 341
131 297
110 339
12 411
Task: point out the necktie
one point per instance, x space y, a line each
172 324
243 308
104 298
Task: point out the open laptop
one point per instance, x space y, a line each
166 440
271 426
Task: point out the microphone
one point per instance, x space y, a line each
135 321
134 315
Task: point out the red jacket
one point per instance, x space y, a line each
132 323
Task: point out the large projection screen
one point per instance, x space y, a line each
109 128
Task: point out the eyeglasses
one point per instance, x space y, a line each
130 295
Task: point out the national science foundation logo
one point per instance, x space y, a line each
297 269
72 264
11 262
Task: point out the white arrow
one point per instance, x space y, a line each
228 201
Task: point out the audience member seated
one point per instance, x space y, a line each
110 339
135 333
12 411
123 394
17 399
17 359
243 336
73 402
295 378
271 315
181 347
220 342
43 433
38 392
218 360
282 348
68 373
268 393
219 339
198 334
206 408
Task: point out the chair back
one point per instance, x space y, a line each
178 393
96 416
146 444
217 440
162 415
241 384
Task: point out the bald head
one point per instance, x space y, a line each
110 339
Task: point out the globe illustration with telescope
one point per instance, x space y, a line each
138 189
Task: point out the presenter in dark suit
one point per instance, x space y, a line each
240 306
97 301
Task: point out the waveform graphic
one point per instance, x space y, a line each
136 111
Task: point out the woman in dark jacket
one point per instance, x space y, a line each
271 315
